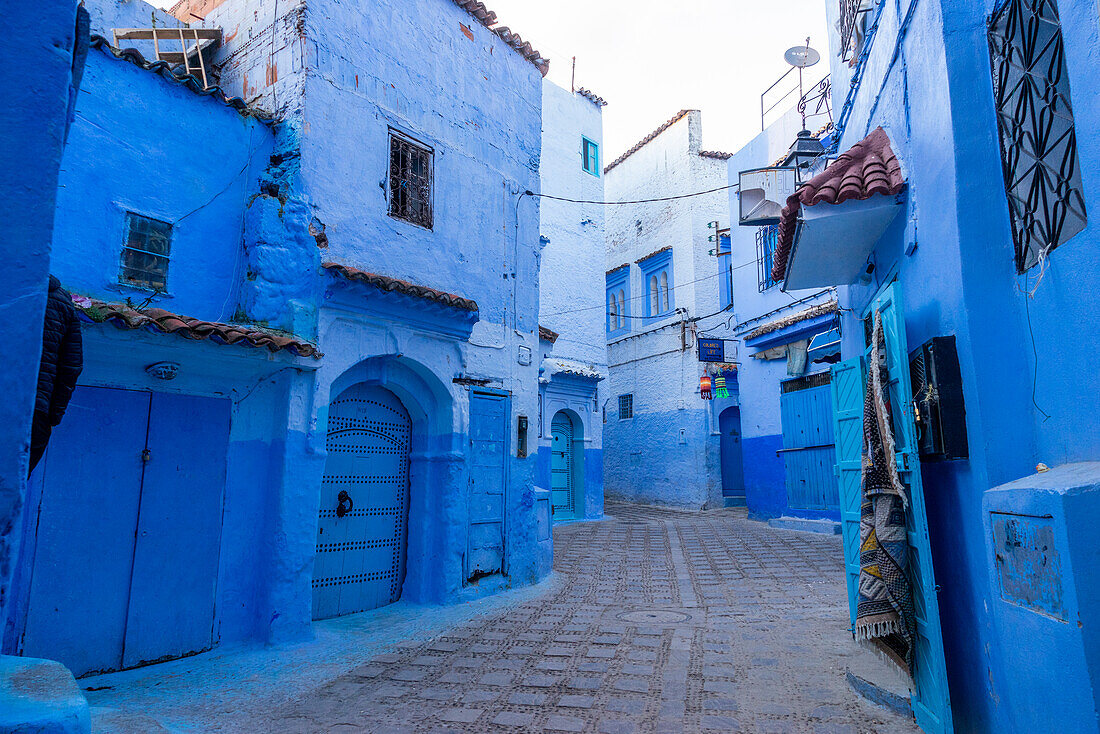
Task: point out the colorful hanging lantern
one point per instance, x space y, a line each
720 390
704 387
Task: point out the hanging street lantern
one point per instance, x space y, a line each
704 387
720 390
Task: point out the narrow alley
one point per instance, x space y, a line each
658 620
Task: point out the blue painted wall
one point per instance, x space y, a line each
36 75
931 89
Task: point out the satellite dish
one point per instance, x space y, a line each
801 56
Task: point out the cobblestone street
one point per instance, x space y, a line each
666 622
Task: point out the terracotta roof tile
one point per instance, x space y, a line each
178 75
592 97
617 269
820 309
386 283
547 335
647 139
159 321
642 259
720 155
488 19
867 168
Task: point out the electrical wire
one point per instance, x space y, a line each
635 201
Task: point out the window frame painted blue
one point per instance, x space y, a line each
653 267
630 399
615 281
724 249
127 248
767 240
586 143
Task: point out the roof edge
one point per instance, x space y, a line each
649 138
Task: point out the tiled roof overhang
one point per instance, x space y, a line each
867 168
547 335
720 155
647 139
393 285
177 76
159 321
821 309
592 97
488 19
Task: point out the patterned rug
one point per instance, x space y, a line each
884 609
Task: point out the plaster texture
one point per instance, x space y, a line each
38 72
571 299
40 697
668 453
928 84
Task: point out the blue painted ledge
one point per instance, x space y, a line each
40 697
825 527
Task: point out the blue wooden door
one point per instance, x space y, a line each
931 702
86 521
129 530
488 451
733 474
847 390
807 416
178 541
562 468
362 524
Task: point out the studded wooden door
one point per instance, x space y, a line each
562 482
363 520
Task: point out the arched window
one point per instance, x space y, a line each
622 309
654 296
612 313
666 304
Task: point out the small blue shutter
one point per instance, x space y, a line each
931 701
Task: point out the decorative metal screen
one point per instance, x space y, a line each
145 252
410 180
766 240
1035 117
851 12
626 406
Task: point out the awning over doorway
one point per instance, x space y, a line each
830 225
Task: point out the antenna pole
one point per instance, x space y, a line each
573 78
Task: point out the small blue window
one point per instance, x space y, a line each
618 301
725 270
657 282
590 154
766 240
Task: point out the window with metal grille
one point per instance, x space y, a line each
766 240
145 252
853 19
817 379
590 154
410 180
1038 138
626 406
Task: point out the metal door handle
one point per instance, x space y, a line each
344 503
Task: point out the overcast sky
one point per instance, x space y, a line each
651 58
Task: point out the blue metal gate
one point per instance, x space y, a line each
931 700
488 452
128 530
807 415
562 468
363 518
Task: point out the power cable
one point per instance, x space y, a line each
635 201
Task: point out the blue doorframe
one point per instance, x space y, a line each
567 486
488 483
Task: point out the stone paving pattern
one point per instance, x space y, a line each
667 622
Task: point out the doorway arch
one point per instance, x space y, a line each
733 475
363 518
566 466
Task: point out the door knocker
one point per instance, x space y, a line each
344 503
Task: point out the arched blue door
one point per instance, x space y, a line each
563 499
733 475
364 513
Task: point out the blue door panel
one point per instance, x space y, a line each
488 447
85 544
171 610
562 467
361 541
847 387
808 454
931 701
733 474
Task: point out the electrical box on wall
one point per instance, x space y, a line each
938 400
